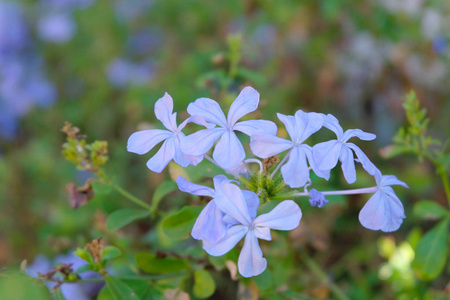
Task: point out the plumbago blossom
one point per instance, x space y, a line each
231 214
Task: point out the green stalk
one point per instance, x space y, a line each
315 268
132 198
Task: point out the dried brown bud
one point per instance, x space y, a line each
79 196
71 132
96 249
270 162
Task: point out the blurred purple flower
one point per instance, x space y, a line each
67 4
71 291
56 27
229 151
145 41
384 211
122 72
13 30
327 154
242 221
439 44
143 141
300 127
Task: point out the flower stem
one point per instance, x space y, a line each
211 160
254 160
315 268
280 165
444 178
368 190
131 197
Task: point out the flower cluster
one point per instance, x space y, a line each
231 214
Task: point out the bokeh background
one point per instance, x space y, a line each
101 65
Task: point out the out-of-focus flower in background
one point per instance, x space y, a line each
56 27
123 72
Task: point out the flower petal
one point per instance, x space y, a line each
209 225
326 154
363 159
348 164
163 112
252 126
251 261
388 180
289 123
229 151
231 201
372 215
332 123
396 214
365 136
192 188
164 155
209 110
285 216
252 201
295 171
246 102
200 142
306 124
184 159
143 141
232 237
265 145
309 154
263 233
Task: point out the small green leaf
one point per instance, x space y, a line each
58 295
429 210
84 254
431 252
118 289
110 252
150 263
179 225
85 268
122 217
163 189
204 285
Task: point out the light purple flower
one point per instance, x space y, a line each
300 127
243 222
143 141
327 154
56 27
122 72
209 225
384 211
229 151
317 198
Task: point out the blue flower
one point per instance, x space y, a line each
327 154
384 211
122 72
56 27
317 198
229 151
143 141
242 221
209 225
300 127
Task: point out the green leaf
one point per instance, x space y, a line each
150 263
58 295
204 285
84 268
179 225
110 252
163 189
428 209
431 252
122 217
118 289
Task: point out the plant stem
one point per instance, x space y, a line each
446 186
131 197
280 165
315 268
368 190
211 160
